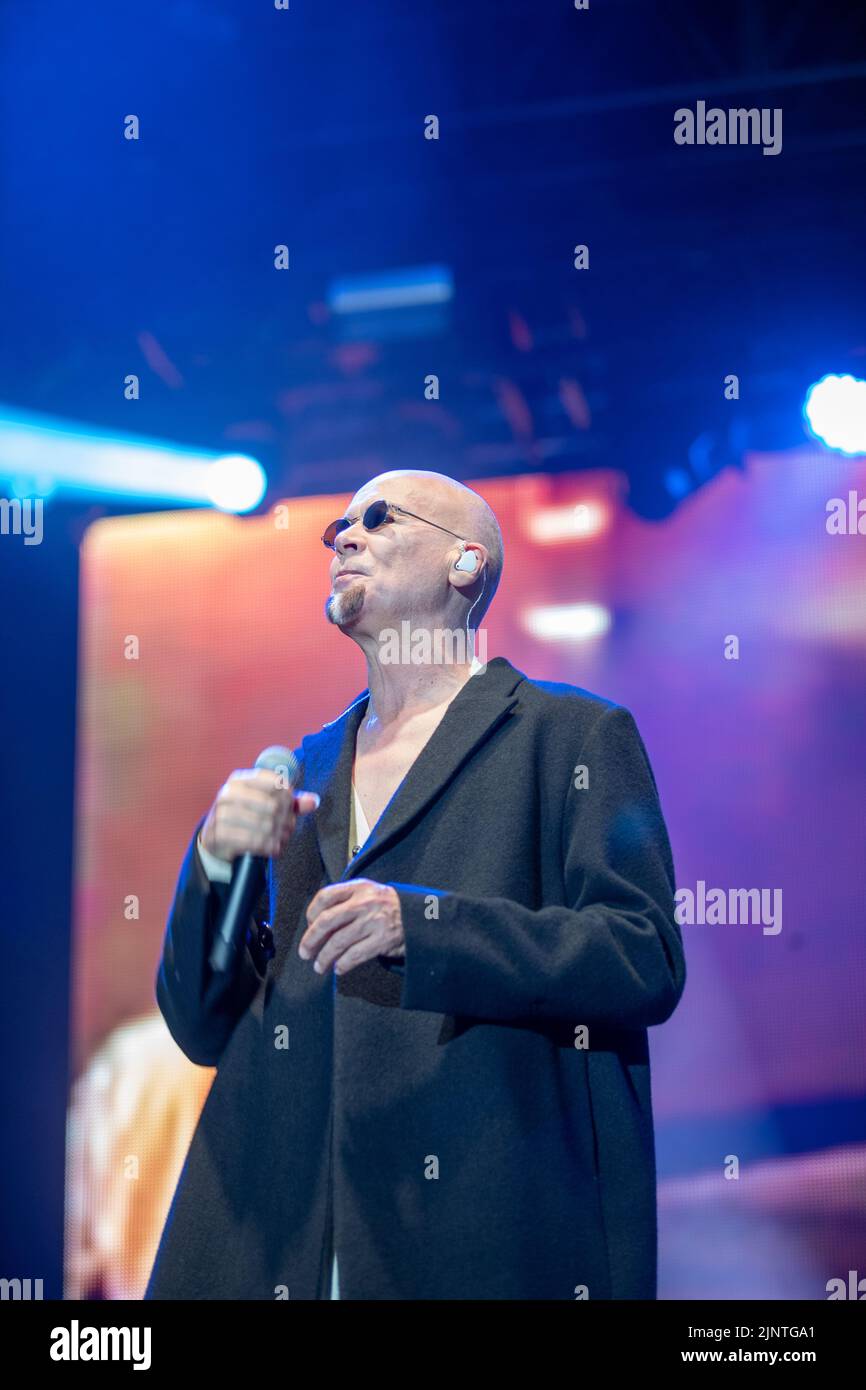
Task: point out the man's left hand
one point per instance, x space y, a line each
350 923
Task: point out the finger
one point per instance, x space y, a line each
228 827
249 794
304 802
259 816
326 923
256 777
260 783
366 949
338 943
254 826
330 894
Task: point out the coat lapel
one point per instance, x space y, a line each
478 708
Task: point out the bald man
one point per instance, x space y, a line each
433 1072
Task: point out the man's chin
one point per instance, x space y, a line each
344 609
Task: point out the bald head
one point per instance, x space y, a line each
439 498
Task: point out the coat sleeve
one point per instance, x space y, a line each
202 1009
612 954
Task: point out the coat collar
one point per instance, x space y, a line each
479 706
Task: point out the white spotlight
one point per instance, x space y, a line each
574 622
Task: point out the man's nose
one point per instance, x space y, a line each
348 539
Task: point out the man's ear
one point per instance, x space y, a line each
462 575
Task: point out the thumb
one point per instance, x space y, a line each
307 801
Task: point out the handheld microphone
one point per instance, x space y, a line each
249 874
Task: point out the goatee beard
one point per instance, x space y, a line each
343 608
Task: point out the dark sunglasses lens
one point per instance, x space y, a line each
375 515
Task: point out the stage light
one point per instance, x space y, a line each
237 483
835 413
576 622
39 454
678 483
393 289
551 524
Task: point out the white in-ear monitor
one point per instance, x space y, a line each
468 561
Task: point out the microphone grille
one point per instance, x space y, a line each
281 760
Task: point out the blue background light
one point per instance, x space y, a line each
835 413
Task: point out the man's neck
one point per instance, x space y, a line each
400 694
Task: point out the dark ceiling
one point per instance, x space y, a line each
305 127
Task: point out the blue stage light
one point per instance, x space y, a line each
678 483
835 413
236 483
39 455
391 289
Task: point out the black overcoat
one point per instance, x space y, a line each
474 1123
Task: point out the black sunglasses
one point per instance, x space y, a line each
376 515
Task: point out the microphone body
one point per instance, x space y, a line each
248 876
